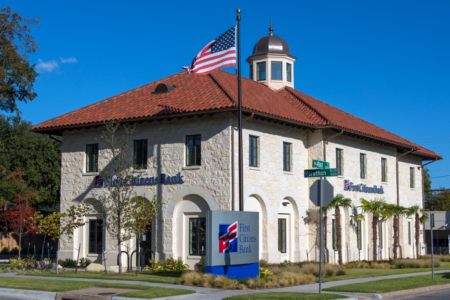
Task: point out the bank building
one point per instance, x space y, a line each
185 144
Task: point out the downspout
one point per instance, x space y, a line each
232 159
423 203
325 141
398 197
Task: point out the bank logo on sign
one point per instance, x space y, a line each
98 180
346 185
228 241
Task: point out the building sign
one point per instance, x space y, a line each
349 186
232 243
135 180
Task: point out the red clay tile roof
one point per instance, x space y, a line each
216 91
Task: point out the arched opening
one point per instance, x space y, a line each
189 237
92 236
254 203
286 229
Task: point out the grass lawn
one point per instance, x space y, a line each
365 273
390 285
301 296
169 278
48 285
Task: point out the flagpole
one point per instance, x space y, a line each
241 161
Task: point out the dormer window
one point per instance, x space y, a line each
251 72
289 72
276 70
261 71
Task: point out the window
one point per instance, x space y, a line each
140 154
251 72
411 177
92 158
282 235
380 234
261 71
276 70
197 236
289 72
383 169
358 234
253 151
333 225
95 236
286 157
362 164
339 160
409 233
193 150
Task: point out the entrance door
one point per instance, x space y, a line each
284 237
146 246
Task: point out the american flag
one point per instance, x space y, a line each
228 237
219 53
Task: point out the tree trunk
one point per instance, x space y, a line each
43 246
395 227
20 245
417 234
337 214
57 256
120 257
374 236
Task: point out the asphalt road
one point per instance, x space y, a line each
440 295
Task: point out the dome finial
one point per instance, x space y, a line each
271 28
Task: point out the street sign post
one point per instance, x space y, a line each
322 171
321 164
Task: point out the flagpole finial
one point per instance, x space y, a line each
271 28
238 10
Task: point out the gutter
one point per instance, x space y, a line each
232 160
423 202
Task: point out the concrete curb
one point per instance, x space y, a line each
38 295
421 290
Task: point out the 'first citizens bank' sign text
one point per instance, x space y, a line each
161 179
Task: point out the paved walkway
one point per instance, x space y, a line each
211 293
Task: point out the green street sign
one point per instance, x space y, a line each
321 164
321 173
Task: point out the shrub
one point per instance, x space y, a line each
263 263
159 266
201 265
225 282
84 262
208 280
15 250
310 269
264 273
178 266
24 263
67 263
4 251
328 270
341 272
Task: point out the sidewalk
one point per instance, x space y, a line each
211 293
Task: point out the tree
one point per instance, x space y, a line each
144 213
116 202
377 208
36 156
395 211
66 223
414 210
18 218
48 226
17 75
339 201
11 185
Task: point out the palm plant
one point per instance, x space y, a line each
395 211
378 210
414 210
339 201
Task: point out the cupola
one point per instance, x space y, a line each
271 62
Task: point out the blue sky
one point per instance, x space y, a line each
384 61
